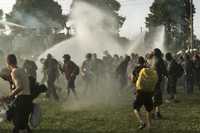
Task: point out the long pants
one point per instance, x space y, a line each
123 81
189 84
51 87
171 87
22 108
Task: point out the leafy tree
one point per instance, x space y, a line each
174 15
45 12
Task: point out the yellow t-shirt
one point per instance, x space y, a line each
147 80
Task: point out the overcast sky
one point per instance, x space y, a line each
134 10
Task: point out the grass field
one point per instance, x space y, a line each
182 117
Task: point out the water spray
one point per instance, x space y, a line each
10 24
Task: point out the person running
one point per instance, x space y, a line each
51 68
161 71
145 86
21 93
71 70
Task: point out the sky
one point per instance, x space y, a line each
135 12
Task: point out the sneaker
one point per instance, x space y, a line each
142 126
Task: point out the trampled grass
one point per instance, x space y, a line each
182 117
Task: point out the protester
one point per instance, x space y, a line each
108 69
97 68
174 71
99 75
161 71
188 74
87 72
30 68
44 72
145 86
121 72
197 69
51 68
22 105
140 65
71 70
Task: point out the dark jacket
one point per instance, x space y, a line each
171 71
188 67
70 69
160 68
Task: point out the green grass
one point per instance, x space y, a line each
183 117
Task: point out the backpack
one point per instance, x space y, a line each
36 88
179 70
147 80
76 70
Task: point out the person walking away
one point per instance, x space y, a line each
161 70
30 68
121 72
97 68
141 63
51 66
145 86
188 74
174 71
108 70
71 70
87 72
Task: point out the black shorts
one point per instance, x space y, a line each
71 83
145 99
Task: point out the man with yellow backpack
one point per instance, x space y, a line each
145 86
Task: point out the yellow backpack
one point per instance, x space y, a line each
147 80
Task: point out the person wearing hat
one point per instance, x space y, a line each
71 70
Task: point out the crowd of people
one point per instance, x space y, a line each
150 76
